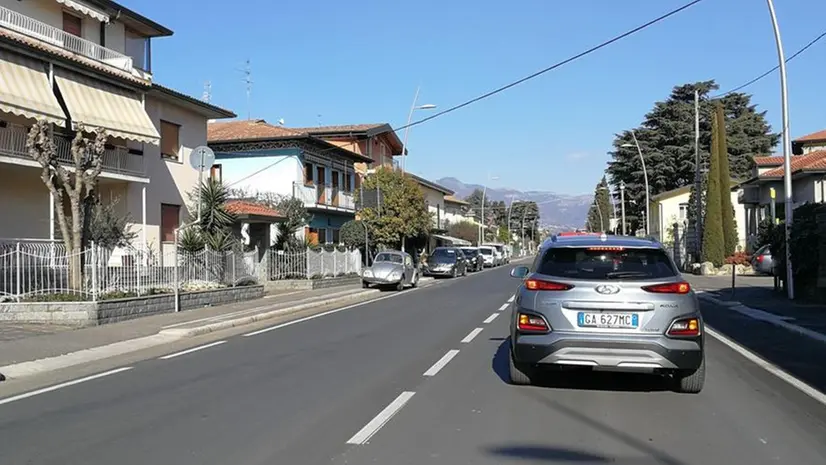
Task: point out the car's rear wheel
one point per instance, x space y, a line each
400 285
365 284
520 374
691 381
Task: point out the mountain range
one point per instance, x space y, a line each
556 211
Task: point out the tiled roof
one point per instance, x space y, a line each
452 199
768 161
21 39
808 162
247 207
219 112
341 128
813 137
246 130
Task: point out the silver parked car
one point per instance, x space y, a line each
606 302
391 268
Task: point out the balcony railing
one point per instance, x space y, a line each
44 32
749 195
115 160
321 196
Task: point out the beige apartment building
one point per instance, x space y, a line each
89 62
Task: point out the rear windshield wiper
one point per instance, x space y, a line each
627 274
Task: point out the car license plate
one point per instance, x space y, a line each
608 320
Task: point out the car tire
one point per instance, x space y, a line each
400 285
365 284
519 374
691 381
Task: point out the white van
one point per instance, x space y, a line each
488 255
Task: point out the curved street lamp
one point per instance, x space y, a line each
413 108
645 176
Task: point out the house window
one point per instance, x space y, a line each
137 47
308 173
683 211
215 174
170 141
348 182
335 236
72 24
170 220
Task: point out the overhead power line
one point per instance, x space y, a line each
816 40
554 66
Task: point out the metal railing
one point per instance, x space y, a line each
47 33
117 159
321 196
40 270
313 264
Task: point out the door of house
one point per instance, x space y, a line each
335 187
321 185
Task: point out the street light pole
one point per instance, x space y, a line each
645 177
622 205
787 149
409 119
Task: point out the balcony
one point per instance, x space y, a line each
324 197
749 195
41 31
115 160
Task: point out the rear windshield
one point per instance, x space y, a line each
596 263
389 257
470 252
444 255
486 251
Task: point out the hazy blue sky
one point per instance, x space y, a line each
360 61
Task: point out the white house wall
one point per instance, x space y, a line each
275 173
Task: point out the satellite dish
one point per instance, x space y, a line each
281 121
202 158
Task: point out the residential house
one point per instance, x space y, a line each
457 211
89 63
434 198
255 156
671 207
379 142
766 184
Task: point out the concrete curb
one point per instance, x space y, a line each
716 301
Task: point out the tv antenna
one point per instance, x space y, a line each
248 81
207 96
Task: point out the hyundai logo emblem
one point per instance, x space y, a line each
607 289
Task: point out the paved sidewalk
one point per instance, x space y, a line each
757 292
24 345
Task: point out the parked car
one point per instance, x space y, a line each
762 261
446 261
488 255
501 252
391 268
608 302
475 262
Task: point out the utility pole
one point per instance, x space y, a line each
622 205
698 180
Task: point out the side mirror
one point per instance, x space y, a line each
519 272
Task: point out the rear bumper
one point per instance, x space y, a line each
608 352
380 281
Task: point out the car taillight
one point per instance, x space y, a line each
685 327
669 288
531 323
760 259
540 285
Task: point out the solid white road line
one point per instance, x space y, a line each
330 312
504 306
26 395
490 318
511 299
768 366
194 349
472 335
432 371
381 419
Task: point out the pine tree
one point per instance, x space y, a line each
727 209
713 240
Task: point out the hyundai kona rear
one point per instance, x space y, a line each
616 304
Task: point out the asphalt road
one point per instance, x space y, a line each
383 383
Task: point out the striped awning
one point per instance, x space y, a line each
87 10
99 105
25 90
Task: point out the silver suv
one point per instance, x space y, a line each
606 302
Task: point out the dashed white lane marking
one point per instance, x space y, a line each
432 371
194 349
472 335
768 366
504 306
26 395
381 419
490 318
511 299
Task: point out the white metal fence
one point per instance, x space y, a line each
313 264
31 270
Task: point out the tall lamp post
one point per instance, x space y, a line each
645 177
787 149
484 192
622 205
413 108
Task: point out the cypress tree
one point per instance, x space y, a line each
726 208
713 240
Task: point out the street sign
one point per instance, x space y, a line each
202 158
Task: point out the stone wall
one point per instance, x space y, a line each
305 284
112 311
